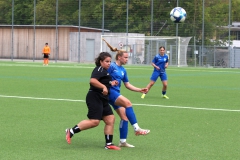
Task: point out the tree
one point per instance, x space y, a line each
6 12
216 14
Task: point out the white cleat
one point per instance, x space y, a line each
142 132
125 144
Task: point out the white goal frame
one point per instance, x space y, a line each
142 49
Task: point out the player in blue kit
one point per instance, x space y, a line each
160 63
121 104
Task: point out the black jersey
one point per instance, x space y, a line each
103 77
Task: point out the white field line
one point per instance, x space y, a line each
51 99
224 70
149 105
40 65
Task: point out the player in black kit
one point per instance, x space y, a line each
97 102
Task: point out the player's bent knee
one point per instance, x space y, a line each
123 117
95 123
109 120
151 83
128 104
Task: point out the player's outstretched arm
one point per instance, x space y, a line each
135 89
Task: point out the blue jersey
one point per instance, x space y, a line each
118 73
160 61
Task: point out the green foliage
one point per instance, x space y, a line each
216 14
235 10
46 12
23 12
6 12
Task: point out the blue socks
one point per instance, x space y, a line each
131 115
123 128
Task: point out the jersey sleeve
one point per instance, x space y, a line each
125 77
154 60
96 74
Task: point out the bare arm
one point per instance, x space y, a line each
166 65
135 89
155 66
96 83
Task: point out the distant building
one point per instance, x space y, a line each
235 31
27 41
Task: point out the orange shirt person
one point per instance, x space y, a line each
46 53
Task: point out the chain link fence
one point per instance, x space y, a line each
73 28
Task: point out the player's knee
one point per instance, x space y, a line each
109 120
125 103
95 123
128 103
151 83
123 116
165 85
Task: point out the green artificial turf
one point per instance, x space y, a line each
200 121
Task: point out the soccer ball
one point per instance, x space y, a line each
178 15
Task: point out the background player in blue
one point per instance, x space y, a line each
97 102
121 104
160 63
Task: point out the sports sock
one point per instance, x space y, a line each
131 115
163 92
74 130
136 127
123 128
108 139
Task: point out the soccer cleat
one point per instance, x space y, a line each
68 138
164 96
143 95
112 147
125 144
142 132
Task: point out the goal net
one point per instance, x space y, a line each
142 49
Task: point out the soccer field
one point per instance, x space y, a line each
199 121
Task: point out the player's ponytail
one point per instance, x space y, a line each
119 52
109 46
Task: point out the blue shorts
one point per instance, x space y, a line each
113 96
155 75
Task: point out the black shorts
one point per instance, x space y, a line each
98 106
45 55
